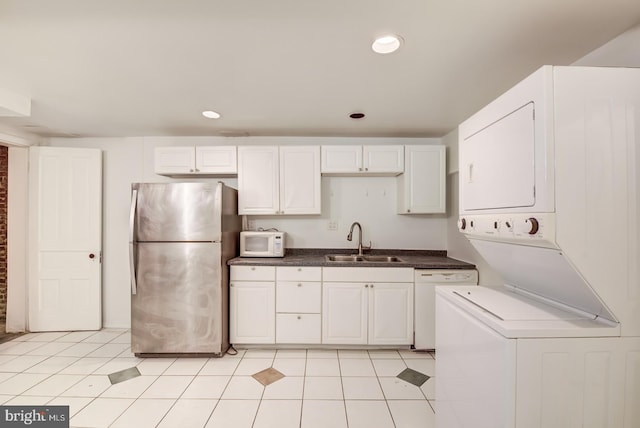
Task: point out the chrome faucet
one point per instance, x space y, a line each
350 237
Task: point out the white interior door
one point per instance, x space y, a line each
65 222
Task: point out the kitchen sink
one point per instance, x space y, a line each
385 259
356 258
341 258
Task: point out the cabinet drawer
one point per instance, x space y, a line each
304 297
297 328
253 273
299 273
374 274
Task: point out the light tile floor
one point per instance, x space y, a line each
321 388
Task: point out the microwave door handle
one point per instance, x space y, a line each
132 242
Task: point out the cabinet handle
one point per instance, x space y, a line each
366 286
299 317
299 285
371 285
197 170
366 169
191 170
253 268
299 269
408 211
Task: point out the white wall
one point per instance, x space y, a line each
623 51
458 246
368 200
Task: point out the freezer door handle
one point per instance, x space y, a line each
132 245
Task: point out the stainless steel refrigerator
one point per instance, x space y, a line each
181 237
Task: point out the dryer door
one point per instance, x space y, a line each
497 163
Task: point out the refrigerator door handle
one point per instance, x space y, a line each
132 245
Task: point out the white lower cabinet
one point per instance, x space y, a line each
298 301
362 310
314 305
252 303
344 313
390 314
298 328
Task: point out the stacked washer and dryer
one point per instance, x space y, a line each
550 197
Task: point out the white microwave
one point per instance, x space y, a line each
261 244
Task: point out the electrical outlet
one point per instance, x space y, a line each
333 225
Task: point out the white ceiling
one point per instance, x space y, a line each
281 67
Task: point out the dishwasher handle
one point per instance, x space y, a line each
449 277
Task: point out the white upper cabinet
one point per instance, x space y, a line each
341 159
383 159
300 180
363 160
201 160
278 180
422 187
216 160
258 188
174 160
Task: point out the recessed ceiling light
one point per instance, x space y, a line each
211 114
386 44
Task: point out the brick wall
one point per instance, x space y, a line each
4 175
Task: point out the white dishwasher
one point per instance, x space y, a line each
426 281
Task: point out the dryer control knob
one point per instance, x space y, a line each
462 224
533 225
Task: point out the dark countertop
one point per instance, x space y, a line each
419 259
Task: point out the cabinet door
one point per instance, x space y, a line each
258 190
390 314
253 273
216 159
174 160
344 313
252 312
341 159
298 297
422 187
300 180
299 273
383 159
298 328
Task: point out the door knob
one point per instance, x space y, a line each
92 256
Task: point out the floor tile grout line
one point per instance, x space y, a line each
264 388
382 390
200 373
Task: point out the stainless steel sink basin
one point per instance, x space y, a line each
356 258
347 258
385 259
